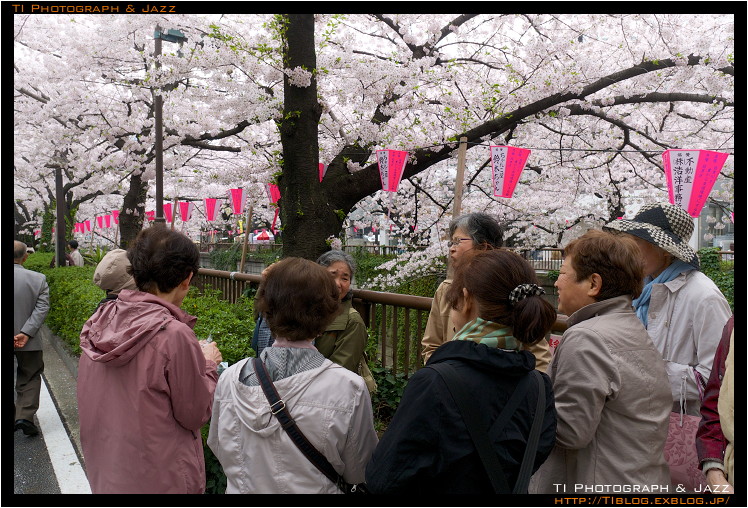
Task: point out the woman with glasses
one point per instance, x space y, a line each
478 231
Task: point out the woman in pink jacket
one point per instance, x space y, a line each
145 383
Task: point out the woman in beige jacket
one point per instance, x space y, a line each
469 231
611 388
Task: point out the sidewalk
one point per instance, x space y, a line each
61 374
51 462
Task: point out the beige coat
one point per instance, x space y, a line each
613 405
440 329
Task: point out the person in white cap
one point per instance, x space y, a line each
111 275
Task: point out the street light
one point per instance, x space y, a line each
158 105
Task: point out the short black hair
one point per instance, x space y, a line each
73 244
162 258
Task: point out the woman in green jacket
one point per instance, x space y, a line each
345 339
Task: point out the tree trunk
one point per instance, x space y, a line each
307 215
130 224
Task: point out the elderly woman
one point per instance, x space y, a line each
681 308
112 275
344 340
145 384
477 231
428 448
329 403
609 381
684 313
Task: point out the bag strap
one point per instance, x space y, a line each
278 408
525 470
480 438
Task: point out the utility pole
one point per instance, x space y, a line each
457 205
158 107
60 228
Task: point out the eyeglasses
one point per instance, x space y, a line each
456 241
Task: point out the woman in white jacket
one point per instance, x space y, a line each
681 308
329 403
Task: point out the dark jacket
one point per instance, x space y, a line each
710 441
426 449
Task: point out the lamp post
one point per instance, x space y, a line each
158 106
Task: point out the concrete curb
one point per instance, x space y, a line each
60 374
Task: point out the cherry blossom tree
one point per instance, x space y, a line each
257 99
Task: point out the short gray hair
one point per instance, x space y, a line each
19 250
332 256
480 227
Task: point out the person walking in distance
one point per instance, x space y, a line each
31 305
75 254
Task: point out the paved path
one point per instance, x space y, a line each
50 463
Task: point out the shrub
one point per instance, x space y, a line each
73 298
230 325
387 397
721 272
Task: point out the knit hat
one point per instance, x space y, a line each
111 272
665 225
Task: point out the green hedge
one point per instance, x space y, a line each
721 272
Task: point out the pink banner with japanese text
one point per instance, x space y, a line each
237 200
322 171
507 163
690 176
150 215
87 226
391 165
115 216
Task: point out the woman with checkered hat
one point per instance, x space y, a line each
682 309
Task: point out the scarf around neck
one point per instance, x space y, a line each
641 304
490 333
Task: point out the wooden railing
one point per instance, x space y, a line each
395 321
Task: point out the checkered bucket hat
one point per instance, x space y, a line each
665 225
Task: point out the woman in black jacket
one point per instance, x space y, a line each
427 448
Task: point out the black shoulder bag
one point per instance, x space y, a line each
480 437
278 408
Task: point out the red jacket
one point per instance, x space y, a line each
144 391
710 442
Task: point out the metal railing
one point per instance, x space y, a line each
395 321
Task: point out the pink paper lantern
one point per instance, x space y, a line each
237 200
167 211
210 208
115 216
690 176
274 193
150 215
322 171
391 165
507 163
185 210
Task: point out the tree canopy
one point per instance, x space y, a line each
257 99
